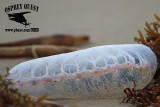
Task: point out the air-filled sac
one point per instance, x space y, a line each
102 71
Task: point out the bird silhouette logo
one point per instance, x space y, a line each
19 17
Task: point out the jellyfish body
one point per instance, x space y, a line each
102 71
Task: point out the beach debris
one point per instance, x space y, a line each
56 39
102 71
34 51
10 97
143 97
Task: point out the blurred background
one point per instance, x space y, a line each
105 21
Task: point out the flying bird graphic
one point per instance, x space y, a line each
18 17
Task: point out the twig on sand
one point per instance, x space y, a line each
33 51
57 39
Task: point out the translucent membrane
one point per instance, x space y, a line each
102 71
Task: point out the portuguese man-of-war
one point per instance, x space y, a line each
101 71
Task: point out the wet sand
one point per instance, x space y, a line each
106 21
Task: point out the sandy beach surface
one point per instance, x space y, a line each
105 21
